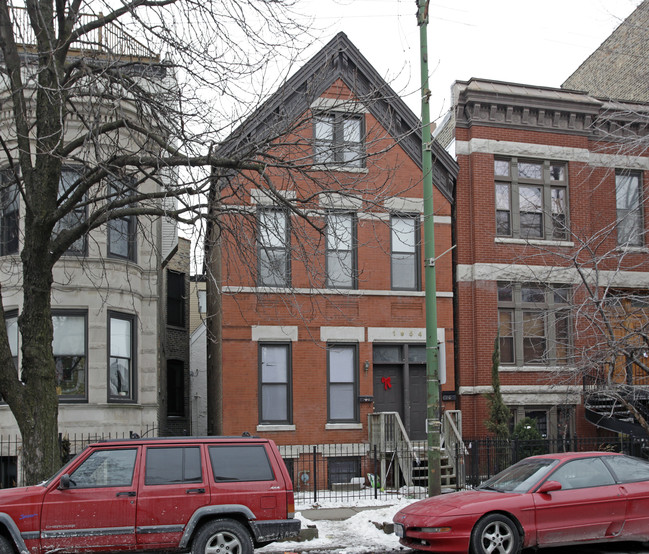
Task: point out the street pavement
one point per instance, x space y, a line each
613 548
618 548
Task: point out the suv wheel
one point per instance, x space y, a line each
222 536
5 546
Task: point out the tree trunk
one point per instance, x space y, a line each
35 406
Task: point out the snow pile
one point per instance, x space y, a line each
356 535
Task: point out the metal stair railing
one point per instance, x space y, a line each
453 444
387 433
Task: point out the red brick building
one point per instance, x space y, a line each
551 242
323 315
323 304
550 225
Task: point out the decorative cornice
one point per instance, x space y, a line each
340 59
497 104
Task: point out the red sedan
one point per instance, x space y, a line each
550 500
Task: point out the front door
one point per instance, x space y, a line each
388 389
400 385
418 401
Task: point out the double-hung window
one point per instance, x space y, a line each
628 201
121 231
275 384
273 258
77 214
9 214
121 361
341 250
531 199
175 298
339 139
405 252
175 388
534 324
70 352
342 370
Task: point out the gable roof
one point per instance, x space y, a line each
340 59
619 68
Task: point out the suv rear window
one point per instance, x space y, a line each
168 465
240 463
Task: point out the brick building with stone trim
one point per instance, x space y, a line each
548 177
536 191
312 345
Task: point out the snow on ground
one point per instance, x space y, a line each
356 535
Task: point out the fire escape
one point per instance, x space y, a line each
618 403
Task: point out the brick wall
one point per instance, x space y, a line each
390 174
176 346
592 213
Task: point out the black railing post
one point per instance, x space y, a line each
315 474
376 461
458 466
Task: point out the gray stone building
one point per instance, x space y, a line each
118 319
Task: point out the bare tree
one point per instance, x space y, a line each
593 327
117 111
104 103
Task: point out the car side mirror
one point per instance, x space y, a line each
549 486
64 483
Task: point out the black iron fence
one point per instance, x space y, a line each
70 445
343 473
486 456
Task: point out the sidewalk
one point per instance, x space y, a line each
337 514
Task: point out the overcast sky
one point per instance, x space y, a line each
525 41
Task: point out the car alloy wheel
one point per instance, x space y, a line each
495 533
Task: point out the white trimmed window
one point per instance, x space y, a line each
342 371
275 384
273 260
339 139
405 252
70 354
121 362
341 250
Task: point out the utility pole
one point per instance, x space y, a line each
214 319
433 423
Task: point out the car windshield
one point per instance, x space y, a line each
521 476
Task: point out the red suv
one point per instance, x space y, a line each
201 495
